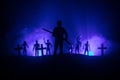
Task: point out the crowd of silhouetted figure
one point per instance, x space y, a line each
60 35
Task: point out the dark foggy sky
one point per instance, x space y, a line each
22 12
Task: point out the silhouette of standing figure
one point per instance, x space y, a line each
48 44
78 44
86 48
25 46
60 34
18 48
36 48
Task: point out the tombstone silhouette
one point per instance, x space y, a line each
102 48
18 48
42 49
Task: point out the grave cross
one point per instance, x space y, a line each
102 48
18 48
42 49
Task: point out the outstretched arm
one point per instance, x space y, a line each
44 40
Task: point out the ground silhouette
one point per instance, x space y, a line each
69 64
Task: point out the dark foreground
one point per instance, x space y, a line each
70 65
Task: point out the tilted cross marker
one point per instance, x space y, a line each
102 49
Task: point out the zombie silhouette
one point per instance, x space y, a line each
18 48
25 46
87 48
48 44
36 48
78 44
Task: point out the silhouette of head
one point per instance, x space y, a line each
36 41
24 41
47 40
59 23
102 44
87 42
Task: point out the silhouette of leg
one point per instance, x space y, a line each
77 50
49 52
61 48
46 51
35 53
85 52
55 47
